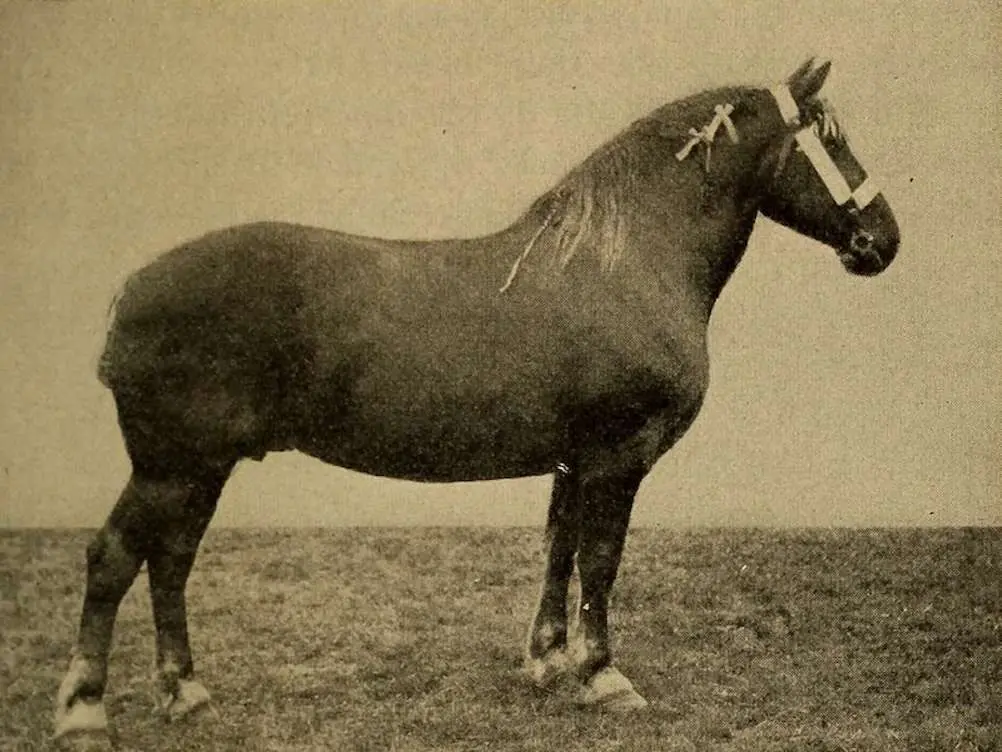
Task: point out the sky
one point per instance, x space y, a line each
127 127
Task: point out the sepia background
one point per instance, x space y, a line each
126 127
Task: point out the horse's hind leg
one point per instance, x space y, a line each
169 562
114 556
159 518
545 658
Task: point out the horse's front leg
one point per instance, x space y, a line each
606 502
546 658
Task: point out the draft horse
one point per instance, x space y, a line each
573 342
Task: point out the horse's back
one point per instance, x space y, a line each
274 336
395 358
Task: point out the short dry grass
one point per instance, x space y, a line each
410 639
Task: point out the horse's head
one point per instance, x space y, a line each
813 184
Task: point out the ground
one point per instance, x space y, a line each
410 639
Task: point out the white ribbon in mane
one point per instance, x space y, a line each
721 116
817 155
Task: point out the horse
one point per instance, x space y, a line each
573 343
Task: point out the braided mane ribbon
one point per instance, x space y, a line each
721 116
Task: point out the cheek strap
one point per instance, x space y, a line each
830 174
788 108
809 143
826 168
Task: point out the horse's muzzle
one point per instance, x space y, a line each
868 254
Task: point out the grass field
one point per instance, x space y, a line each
410 639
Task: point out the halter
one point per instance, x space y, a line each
810 144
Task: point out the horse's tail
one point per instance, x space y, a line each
104 364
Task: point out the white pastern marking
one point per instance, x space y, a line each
75 674
81 715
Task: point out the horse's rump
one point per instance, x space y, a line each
204 344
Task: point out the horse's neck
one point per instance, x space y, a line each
690 250
684 233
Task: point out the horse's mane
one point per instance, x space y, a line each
589 207
821 114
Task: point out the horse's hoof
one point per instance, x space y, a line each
545 671
81 716
190 696
83 725
610 690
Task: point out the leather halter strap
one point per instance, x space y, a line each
810 144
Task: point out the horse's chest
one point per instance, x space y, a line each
645 396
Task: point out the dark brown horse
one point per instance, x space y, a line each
573 342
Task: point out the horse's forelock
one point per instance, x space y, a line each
822 116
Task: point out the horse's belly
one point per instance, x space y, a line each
451 395
452 445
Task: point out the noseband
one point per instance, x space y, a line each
810 144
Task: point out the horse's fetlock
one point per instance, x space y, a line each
84 681
168 680
590 656
546 637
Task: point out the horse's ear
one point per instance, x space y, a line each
800 72
809 82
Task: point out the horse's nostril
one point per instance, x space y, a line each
861 241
